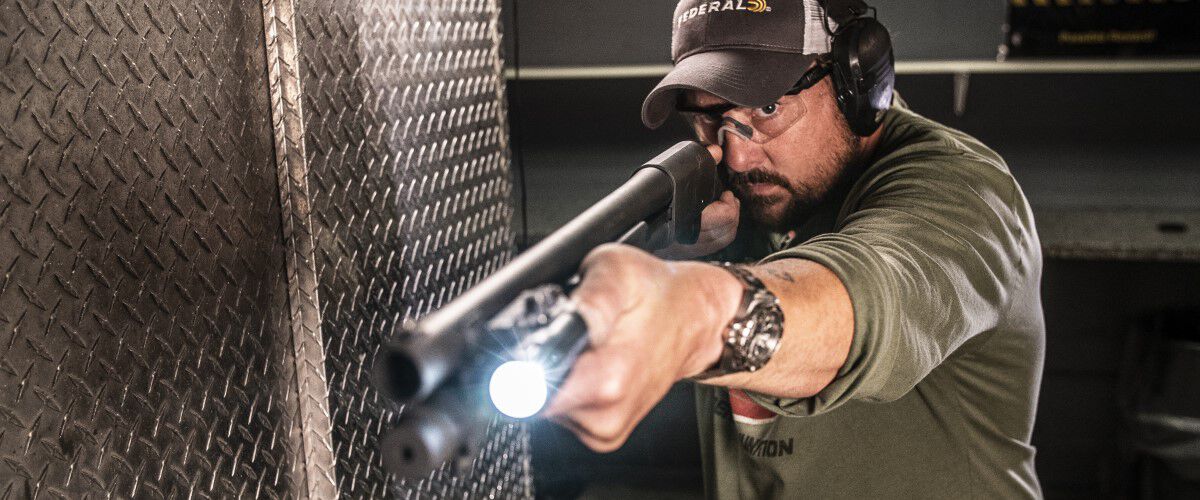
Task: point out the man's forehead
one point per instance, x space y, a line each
704 99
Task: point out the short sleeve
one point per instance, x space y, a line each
929 250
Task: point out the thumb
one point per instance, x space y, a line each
716 152
730 198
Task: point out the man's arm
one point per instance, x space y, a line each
819 328
685 307
628 294
928 260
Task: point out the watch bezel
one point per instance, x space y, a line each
755 333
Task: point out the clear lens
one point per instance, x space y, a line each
760 124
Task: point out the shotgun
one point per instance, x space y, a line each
506 343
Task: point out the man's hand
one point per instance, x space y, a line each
718 224
650 324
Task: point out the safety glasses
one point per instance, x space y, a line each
758 125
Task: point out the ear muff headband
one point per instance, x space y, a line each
863 66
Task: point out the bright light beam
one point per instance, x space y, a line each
518 388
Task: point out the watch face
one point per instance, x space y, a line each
767 321
755 333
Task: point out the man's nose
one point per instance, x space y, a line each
741 155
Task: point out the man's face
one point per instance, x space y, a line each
780 181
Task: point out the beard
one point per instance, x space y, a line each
789 207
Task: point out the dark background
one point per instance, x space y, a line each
1108 160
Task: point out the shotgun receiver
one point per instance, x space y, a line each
514 335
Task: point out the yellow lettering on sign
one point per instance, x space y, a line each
1081 37
756 5
1139 36
1110 36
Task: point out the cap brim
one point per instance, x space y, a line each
744 77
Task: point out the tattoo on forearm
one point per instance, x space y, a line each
780 275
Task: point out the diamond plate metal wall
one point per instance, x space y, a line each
143 328
211 213
407 154
311 432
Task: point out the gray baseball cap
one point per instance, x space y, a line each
748 52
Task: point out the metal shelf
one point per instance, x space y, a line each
953 67
1113 233
1189 65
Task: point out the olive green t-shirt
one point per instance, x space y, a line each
935 243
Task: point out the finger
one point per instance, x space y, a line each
725 201
606 421
568 423
729 197
719 222
721 213
602 429
604 294
579 390
592 441
599 301
602 445
716 152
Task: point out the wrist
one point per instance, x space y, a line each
720 295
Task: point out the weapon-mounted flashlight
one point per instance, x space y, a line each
518 388
544 334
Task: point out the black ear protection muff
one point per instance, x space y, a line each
864 69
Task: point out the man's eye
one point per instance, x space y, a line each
768 110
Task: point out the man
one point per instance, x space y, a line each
885 339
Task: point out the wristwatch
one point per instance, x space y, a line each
753 335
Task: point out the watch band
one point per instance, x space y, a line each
754 333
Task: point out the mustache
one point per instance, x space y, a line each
744 179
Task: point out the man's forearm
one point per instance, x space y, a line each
818 329
652 322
